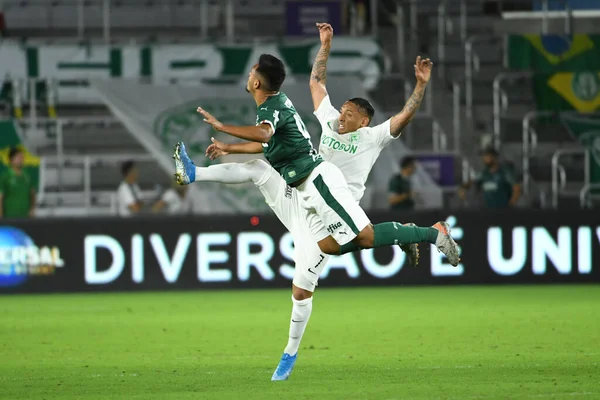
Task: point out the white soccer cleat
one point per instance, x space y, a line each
445 243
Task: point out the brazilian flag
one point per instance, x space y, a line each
553 53
564 91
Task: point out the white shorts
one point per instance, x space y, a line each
332 210
285 202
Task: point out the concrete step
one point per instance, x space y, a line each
455 54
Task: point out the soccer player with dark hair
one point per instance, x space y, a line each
313 200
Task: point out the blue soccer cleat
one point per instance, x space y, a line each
185 169
285 367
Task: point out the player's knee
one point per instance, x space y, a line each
257 165
300 294
329 246
366 238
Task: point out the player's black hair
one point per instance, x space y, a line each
126 167
272 70
407 162
364 106
13 152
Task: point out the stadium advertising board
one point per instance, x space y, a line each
229 252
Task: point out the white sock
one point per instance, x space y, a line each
251 171
301 310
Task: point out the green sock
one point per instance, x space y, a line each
390 233
348 248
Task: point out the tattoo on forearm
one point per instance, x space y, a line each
409 110
319 69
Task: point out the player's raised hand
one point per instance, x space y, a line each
216 149
423 69
209 119
325 32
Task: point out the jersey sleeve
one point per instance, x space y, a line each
268 115
383 133
326 112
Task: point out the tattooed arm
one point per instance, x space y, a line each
318 75
423 74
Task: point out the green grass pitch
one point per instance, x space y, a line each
389 343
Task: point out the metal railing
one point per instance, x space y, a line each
86 164
559 174
529 142
456 116
585 195
472 67
500 100
104 12
445 27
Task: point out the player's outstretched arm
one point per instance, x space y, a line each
318 75
260 133
218 149
423 74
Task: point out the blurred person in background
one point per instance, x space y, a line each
176 200
402 196
129 194
498 181
17 193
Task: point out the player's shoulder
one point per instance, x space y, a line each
368 133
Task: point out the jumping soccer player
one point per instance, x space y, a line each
337 222
286 203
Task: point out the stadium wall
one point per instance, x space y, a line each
74 255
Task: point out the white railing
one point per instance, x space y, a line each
585 196
86 164
445 27
500 100
559 174
456 116
472 67
200 14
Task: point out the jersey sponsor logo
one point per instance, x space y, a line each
333 227
334 144
288 192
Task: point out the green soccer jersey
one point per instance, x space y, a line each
497 186
401 185
16 194
289 150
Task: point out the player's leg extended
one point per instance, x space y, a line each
187 172
327 193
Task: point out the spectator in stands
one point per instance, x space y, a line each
500 184
176 200
17 192
401 195
129 194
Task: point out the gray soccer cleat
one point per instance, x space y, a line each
445 243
